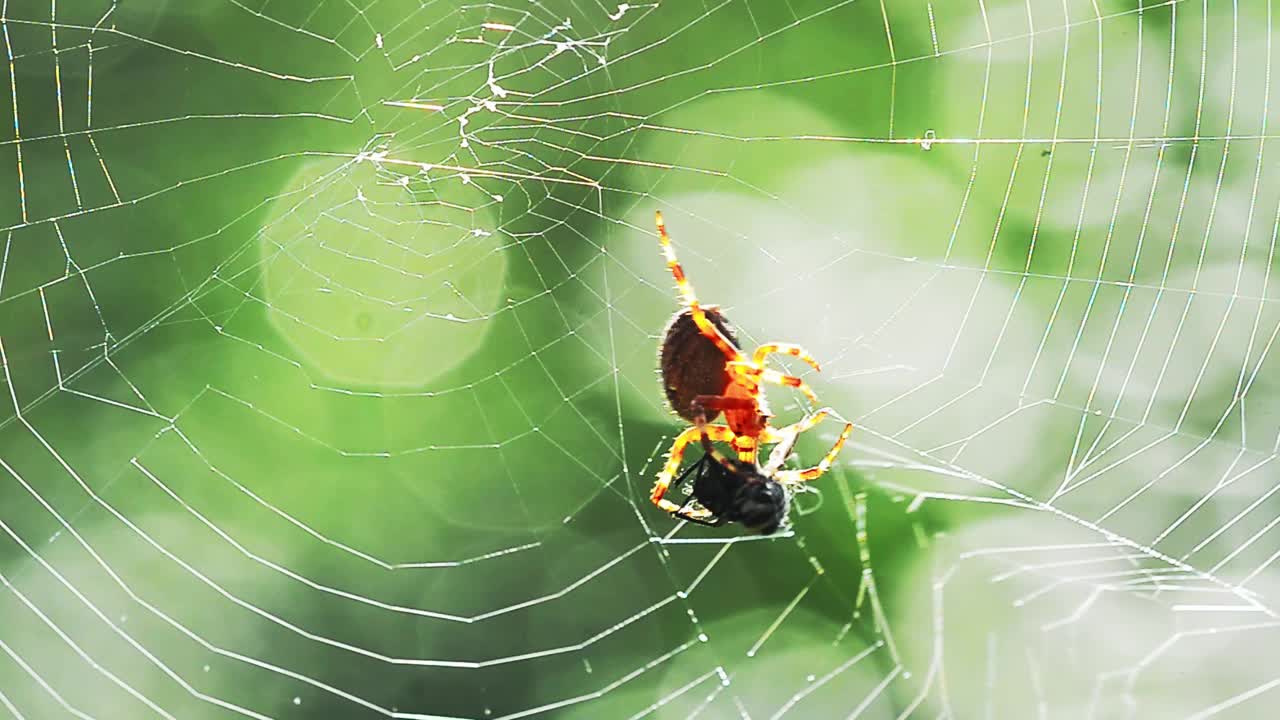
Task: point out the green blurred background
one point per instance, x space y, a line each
329 336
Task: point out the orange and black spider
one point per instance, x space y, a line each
704 374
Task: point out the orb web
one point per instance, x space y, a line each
328 336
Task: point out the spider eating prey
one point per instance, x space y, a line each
705 374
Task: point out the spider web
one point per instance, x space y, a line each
328 331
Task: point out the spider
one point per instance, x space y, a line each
704 374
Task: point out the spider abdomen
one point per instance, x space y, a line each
691 364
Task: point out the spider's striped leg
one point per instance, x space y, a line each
757 374
781 452
816 471
745 441
793 350
711 449
705 326
807 423
786 437
676 456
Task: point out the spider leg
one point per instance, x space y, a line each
710 331
700 517
817 470
744 443
807 423
784 349
786 438
676 456
781 451
756 374
711 449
